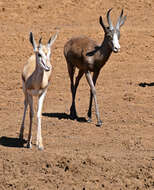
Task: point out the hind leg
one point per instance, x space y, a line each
93 90
71 71
23 119
73 107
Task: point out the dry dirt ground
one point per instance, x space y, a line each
79 155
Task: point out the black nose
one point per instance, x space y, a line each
47 68
116 50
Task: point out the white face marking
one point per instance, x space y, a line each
116 45
44 58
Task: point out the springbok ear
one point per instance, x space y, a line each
52 39
102 24
31 39
40 40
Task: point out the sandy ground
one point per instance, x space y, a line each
79 155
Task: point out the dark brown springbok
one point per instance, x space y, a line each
84 53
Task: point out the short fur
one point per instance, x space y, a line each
84 53
36 76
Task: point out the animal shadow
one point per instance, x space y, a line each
64 116
144 84
11 142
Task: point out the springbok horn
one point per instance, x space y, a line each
120 21
123 20
109 19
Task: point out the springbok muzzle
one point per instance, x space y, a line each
116 45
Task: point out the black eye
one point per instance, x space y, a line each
110 37
39 55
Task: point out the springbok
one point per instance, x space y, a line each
84 53
36 77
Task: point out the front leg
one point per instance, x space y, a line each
39 135
31 114
95 76
93 90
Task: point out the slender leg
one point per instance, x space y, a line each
73 107
71 71
95 76
91 84
30 101
23 120
39 135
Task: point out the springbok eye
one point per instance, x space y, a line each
39 55
110 37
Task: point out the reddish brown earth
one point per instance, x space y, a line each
79 155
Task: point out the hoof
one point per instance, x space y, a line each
73 116
89 120
41 148
21 137
39 145
22 141
99 123
29 145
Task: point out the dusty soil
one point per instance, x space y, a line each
79 155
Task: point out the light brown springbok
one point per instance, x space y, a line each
84 53
36 77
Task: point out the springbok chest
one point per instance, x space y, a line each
34 92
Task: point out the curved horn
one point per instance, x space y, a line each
109 19
102 24
121 20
